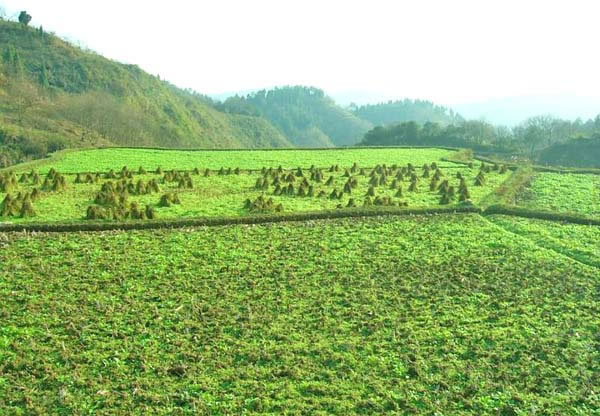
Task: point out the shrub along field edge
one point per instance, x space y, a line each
507 191
249 220
516 211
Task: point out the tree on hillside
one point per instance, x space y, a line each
24 18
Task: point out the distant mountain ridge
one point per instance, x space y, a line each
306 115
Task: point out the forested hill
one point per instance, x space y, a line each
582 152
394 112
305 115
55 95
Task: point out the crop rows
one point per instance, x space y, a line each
429 315
563 192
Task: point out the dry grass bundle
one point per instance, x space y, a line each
480 179
414 184
445 199
443 188
433 185
35 195
9 207
263 205
150 212
169 199
290 189
59 184
51 173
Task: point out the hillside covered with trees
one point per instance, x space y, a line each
55 95
394 112
543 139
307 116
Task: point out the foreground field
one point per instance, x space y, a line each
430 315
577 193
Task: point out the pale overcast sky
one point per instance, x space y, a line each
447 51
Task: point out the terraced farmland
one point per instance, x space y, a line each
472 314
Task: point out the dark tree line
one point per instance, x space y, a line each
529 138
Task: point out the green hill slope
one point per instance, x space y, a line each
54 95
306 115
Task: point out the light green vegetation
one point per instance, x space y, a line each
429 315
580 242
578 193
101 160
225 195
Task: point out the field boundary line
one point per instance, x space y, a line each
249 220
515 211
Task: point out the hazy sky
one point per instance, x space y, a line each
447 51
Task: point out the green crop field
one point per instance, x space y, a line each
580 242
428 315
102 160
578 193
451 314
209 192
